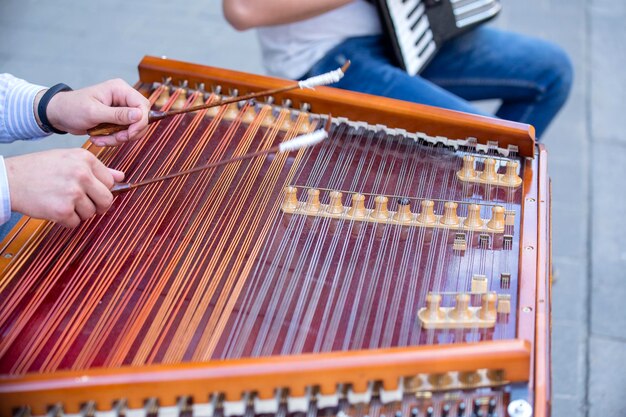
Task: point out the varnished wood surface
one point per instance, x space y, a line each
543 371
233 377
519 355
355 106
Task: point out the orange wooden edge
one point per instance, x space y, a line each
543 329
355 106
264 375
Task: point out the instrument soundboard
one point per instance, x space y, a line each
400 268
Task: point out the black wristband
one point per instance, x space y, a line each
42 108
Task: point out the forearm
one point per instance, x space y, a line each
246 14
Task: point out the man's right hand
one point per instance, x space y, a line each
62 185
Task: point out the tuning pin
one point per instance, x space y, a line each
487 309
380 208
510 177
213 111
476 404
313 201
497 219
304 124
287 123
358 206
88 409
489 171
164 97
181 99
412 384
467 172
509 217
268 116
469 377
433 307
461 310
504 304
290 203
198 99
440 380
427 215
473 219
403 215
249 114
232 111
492 407
479 284
335 206
450 217
495 375
151 406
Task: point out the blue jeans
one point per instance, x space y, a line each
530 76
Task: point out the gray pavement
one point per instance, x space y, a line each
83 42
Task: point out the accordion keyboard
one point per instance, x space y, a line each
418 28
412 32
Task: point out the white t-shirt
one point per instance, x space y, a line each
290 50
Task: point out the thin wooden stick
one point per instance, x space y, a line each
294 144
105 129
126 186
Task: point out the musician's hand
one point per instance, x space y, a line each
112 101
62 185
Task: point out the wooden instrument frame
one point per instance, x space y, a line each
526 358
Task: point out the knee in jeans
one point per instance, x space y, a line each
562 70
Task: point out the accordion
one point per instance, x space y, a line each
417 28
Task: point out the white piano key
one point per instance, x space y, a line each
470 7
422 44
407 43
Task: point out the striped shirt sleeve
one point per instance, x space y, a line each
17 117
5 196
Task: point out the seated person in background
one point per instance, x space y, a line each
63 185
299 39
